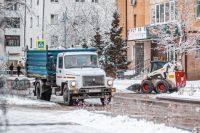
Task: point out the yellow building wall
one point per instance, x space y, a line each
121 6
143 12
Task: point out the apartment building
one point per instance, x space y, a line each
12 31
143 14
139 46
59 22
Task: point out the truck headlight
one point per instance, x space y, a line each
73 83
110 82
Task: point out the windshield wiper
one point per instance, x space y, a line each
93 66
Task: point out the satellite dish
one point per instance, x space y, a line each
133 2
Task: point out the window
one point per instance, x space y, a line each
80 61
54 18
31 22
54 40
157 13
54 1
38 21
31 3
135 20
95 1
164 12
198 49
37 2
60 62
12 40
172 11
13 22
198 8
167 12
133 2
31 42
153 17
11 6
80 0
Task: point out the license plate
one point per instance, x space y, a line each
94 90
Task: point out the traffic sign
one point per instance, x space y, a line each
40 44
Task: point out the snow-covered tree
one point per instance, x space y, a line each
98 43
17 7
81 19
178 37
116 49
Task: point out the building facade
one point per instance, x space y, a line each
12 31
143 14
66 23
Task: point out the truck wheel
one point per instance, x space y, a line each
45 95
162 86
147 86
67 96
105 101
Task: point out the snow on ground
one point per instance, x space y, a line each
79 121
122 85
20 78
16 100
190 92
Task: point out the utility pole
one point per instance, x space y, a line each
43 19
25 25
65 26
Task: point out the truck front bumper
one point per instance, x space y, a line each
87 93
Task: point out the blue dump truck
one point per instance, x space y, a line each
73 73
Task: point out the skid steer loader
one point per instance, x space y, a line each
163 77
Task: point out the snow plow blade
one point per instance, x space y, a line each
135 87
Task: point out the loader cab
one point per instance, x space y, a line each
155 65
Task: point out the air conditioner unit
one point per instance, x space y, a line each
133 2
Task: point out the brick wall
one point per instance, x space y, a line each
193 67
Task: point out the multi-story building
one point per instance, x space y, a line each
47 20
12 33
146 13
139 46
1 34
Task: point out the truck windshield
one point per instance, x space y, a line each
80 61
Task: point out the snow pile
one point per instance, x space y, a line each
122 85
16 100
117 124
190 92
80 121
129 72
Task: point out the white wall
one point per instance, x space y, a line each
15 52
73 9
1 42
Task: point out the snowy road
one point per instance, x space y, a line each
125 115
43 117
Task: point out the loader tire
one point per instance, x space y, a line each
162 86
147 86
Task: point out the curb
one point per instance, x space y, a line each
180 100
